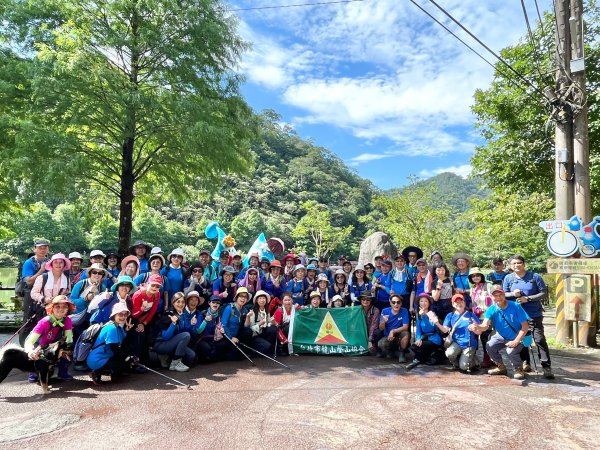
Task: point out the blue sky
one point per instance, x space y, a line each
377 81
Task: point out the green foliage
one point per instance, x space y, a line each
315 233
103 234
137 94
152 227
518 156
7 260
246 227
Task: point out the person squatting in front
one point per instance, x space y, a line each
394 323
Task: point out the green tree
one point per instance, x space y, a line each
246 227
417 215
139 94
316 233
518 154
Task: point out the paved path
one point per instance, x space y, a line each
326 402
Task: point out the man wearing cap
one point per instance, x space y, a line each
32 268
510 323
528 289
372 315
75 272
498 274
222 262
383 285
141 250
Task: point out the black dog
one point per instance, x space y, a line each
15 357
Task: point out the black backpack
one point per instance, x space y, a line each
87 341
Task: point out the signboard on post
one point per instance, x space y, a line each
578 298
567 266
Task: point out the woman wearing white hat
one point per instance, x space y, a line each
75 272
175 272
258 320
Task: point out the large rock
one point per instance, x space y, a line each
376 244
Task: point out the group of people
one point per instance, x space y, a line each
155 308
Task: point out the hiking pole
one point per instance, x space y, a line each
240 350
18 331
268 357
163 375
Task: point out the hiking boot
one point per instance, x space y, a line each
519 374
499 370
96 378
81 366
402 357
548 373
33 377
487 362
413 364
178 366
526 367
164 360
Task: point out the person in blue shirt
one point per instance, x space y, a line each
205 347
411 255
33 267
394 324
510 323
107 356
232 327
175 272
428 341
528 289
462 262
141 250
402 281
498 275
382 285
462 352
120 294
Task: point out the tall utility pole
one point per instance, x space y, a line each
581 154
563 164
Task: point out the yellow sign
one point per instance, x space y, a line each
578 298
329 333
556 265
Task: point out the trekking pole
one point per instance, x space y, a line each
268 357
164 376
18 331
240 350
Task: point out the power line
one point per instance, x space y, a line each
333 2
534 44
511 68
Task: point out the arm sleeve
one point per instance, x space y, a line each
225 320
31 340
169 332
200 328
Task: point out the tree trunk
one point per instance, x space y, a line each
126 197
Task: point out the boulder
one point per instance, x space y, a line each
376 244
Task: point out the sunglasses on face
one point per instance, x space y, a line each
394 302
93 272
197 270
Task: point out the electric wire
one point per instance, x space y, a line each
480 42
535 45
333 2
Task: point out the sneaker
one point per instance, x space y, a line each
33 377
164 360
96 378
402 358
526 367
548 373
519 374
500 370
413 364
178 366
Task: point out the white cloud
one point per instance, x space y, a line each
462 171
380 69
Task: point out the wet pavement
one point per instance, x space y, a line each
325 402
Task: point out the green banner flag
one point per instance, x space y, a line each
329 331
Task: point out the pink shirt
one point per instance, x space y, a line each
48 333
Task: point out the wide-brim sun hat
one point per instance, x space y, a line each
311 267
359 267
98 267
476 271
241 290
57 257
124 280
322 277
290 256
315 294
60 299
262 293
112 255
461 255
298 267
128 259
412 248
176 252
119 308
340 272
137 244
275 263
95 253
157 256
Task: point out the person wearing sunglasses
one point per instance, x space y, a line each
394 323
196 279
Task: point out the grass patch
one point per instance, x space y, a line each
553 343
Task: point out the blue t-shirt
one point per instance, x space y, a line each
529 284
175 279
231 321
427 329
395 321
461 335
461 281
513 313
30 267
496 278
383 293
101 353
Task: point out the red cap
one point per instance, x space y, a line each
456 297
156 279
